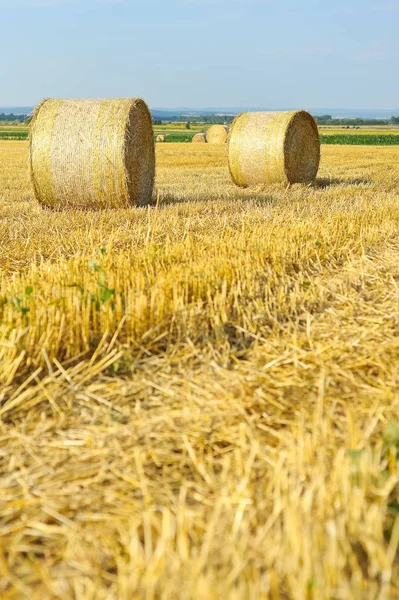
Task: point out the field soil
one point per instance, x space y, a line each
199 400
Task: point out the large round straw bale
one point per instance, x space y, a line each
217 134
199 138
92 153
267 147
161 138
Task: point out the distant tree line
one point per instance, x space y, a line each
211 119
12 117
217 119
329 120
222 119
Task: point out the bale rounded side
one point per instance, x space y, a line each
268 147
161 138
92 153
199 138
217 134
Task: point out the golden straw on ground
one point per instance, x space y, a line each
271 147
208 409
199 138
217 134
92 153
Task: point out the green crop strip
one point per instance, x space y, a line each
361 140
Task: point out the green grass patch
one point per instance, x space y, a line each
176 138
361 140
13 133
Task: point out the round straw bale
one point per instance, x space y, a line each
161 138
267 147
217 134
199 138
92 153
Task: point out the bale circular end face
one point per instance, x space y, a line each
199 138
92 153
274 147
161 138
217 134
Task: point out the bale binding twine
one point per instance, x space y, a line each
217 134
270 147
92 153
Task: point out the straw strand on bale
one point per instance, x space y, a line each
92 153
199 138
271 147
217 134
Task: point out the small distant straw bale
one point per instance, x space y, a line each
217 134
270 147
92 153
161 138
199 138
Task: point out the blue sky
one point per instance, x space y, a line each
200 53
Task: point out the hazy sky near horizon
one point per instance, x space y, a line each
202 53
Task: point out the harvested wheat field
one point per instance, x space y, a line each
199 399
